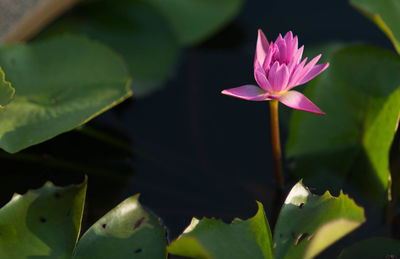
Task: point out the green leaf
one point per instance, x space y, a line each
386 15
60 84
133 29
43 223
378 247
7 92
211 238
359 93
195 20
127 231
307 224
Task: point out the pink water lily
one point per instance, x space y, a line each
277 69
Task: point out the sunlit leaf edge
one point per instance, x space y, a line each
9 86
379 21
82 187
298 196
181 246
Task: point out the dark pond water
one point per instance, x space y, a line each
189 150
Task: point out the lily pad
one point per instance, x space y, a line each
194 20
42 223
212 238
7 92
378 247
60 83
385 14
359 93
307 224
140 34
127 231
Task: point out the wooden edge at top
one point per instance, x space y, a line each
37 19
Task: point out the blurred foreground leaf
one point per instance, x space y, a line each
307 224
385 14
194 20
43 223
127 231
360 94
133 29
7 92
60 84
378 247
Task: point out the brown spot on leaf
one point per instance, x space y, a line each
139 250
42 219
301 205
138 223
104 226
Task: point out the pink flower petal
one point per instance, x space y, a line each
260 77
298 101
247 92
271 53
296 75
288 36
295 60
272 74
282 51
279 38
272 96
297 56
277 69
316 70
262 81
257 67
307 68
278 77
291 46
261 48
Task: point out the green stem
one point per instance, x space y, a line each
276 143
